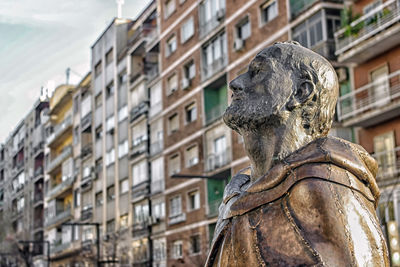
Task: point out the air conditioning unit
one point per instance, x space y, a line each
238 44
342 74
220 14
185 83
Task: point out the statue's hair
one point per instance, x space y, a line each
304 64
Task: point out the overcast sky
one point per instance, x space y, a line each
40 39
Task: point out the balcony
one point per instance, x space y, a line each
215 113
325 49
216 161
86 150
86 121
145 33
67 152
61 216
371 104
139 146
177 219
38 223
216 66
157 186
140 109
87 182
298 6
389 166
61 187
38 172
140 190
86 213
58 247
370 35
59 130
213 207
212 23
156 147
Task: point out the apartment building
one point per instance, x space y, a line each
21 184
369 45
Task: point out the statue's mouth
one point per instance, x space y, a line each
235 97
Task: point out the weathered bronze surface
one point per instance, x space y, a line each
307 199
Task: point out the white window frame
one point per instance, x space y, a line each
175 211
265 5
197 200
170 45
177 249
187 30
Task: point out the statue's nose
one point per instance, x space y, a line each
236 84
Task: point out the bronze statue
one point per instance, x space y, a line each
307 199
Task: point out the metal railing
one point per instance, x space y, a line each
60 216
213 207
139 110
389 164
177 218
58 246
216 66
368 25
60 187
298 6
86 121
212 23
373 95
59 128
215 161
215 112
67 151
143 31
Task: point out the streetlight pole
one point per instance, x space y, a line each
97 225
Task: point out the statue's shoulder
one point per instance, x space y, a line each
237 184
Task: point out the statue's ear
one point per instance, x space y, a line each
303 92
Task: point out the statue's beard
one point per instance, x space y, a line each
251 116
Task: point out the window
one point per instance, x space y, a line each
110 157
212 12
155 95
110 227
139 133
122 78
158 210
177 249
110 193
172 84
110 90
141 213
173 123
174 165
123 113
384 148
380 89
124 186
220 145
191 113
139 172
123 149
269 11
243 31
86 106
170 46
159 249
187 30
99 198
76 135
214 55
99 133
310 32
189 72
77 198
194 200
169 8
98 101
110 123
97 69
195 246
109 56
175 206
157 170
123 221
191 156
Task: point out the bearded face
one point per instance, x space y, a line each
259 96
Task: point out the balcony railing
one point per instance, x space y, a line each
38 223
371 96
86 213
389 164
86 121
298 6
367 26
60 216
215 161
156 147
214 67
214 113
67 151
213 207
177 218
212 23
60 187
145 31
38 171
60 128
139 110
86 150
139 146
325 48
58 246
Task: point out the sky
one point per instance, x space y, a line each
40 39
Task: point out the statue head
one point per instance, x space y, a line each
285 83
